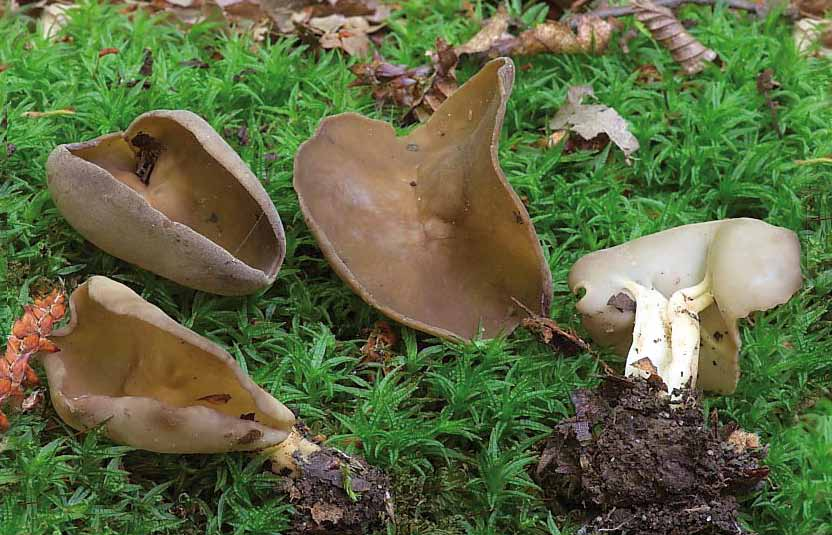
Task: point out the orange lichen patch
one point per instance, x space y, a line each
29 336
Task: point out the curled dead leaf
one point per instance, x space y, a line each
689 53
551 334
555 37
813 37
420 90
592 120
550 37
494 31
380 343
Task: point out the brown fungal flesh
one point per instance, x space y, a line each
152 383
171 196
425 227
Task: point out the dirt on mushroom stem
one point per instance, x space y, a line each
637 464
333 492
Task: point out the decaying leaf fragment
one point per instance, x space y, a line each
350 34
592 120
813 37
555 37
667 30
550 37
380 343
29 336
420 90
551 334
493 38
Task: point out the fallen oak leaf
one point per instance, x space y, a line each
689 53
591 120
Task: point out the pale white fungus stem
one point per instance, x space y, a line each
651 334
683 311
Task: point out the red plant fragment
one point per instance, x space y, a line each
29 336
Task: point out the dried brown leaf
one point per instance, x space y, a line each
813 37
380 343
420 90
555 37
689 53
550 333
817 8
592 120
494 30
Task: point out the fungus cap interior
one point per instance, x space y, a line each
189 186
111 351
423 226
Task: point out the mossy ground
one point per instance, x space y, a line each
458 427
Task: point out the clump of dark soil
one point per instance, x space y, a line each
338 494
639 466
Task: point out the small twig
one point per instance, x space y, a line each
524 307
813 161
621 11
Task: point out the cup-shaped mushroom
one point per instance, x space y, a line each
674 297
152 383
171 196
425 227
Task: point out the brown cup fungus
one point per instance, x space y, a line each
171 196
425 227
674 297
152 384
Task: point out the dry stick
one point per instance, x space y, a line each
621 11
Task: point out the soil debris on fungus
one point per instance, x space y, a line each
147 151
640 464
332 492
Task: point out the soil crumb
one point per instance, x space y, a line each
638 466
338 494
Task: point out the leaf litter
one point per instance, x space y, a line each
590 121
